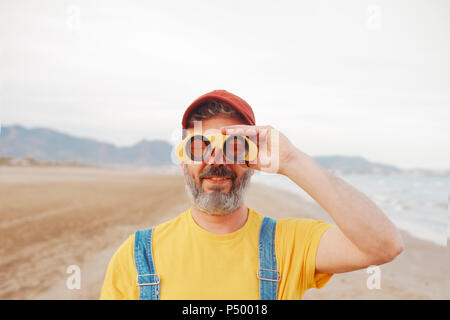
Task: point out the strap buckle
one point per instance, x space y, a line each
258 274
153 276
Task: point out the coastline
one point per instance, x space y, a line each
56 217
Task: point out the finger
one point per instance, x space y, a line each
251 132
232 129
262 135
242 130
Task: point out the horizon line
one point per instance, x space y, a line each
168 142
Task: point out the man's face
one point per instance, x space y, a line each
216 187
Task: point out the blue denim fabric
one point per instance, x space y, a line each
268 274
147 280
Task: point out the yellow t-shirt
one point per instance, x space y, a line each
196 264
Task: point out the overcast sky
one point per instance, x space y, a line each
368 78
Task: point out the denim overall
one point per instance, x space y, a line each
150 284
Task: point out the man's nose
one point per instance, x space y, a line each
216 156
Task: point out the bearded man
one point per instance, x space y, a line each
221 249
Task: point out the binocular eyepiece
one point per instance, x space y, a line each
198 147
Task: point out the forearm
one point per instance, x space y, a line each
361 221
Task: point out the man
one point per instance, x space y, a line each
219 248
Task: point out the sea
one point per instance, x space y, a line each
415 204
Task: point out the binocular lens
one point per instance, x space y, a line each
236 148
198 148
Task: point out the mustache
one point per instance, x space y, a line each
220 171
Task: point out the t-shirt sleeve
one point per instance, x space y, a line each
120 278
314 279
298 241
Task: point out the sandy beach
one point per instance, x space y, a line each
51 218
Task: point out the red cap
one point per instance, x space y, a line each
234 101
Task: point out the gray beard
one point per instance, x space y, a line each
217 203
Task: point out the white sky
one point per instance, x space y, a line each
368 78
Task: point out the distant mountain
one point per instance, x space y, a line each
355 164
358 165
49 145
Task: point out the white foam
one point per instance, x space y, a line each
412 205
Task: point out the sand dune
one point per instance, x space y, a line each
51 218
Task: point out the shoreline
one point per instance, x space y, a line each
403 230
438 238
57 218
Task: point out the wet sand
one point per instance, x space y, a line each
51 218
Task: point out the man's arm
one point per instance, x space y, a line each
364 236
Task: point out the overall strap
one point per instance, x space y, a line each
147 279
268 274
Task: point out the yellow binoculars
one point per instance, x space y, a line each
198 147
